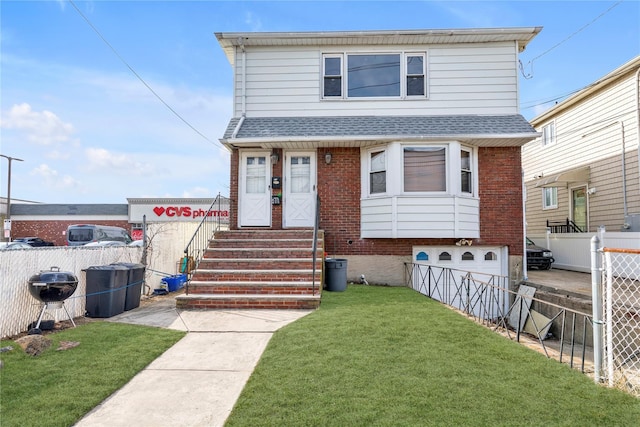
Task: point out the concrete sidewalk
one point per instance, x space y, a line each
198 380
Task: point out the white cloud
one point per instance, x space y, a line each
43 128
253 22
52 179
101 160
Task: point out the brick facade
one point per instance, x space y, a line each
339 188
54 231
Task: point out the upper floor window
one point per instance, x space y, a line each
549 134
332 76
374 75
377 172
550 198
415 75
425 169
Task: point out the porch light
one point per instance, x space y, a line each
327 157
274 158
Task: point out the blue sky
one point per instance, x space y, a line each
89 131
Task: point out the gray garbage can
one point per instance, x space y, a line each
134 284
335 278
106 290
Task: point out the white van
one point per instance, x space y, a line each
81 234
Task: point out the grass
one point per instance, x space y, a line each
56 388
374 356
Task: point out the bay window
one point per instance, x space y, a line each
377 172
425 169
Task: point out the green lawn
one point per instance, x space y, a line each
375 356
56 388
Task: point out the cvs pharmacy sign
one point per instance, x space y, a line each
187 212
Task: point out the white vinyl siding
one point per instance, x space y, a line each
420 217
462 79
590 133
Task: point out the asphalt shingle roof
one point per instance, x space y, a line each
450 125
69 209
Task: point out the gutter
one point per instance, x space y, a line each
244 89
380 138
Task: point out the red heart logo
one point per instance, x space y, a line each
159 210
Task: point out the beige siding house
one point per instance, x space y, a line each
584 172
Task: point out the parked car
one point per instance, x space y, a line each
9 246
34 241
106 243
538 257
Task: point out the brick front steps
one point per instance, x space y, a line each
259 269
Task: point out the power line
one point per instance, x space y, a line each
139 77
530 63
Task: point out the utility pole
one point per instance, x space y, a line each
8 216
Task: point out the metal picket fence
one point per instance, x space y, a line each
488 299
621 318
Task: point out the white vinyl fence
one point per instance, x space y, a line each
572 251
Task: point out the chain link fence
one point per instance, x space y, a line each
621 318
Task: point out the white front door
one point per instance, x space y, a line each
254 207
299 201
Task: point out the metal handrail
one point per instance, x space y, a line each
316 226
195 249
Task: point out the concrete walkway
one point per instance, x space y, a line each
198 380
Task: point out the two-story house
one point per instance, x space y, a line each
584 170
407 142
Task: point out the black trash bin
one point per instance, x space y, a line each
134 284
106 290
335 278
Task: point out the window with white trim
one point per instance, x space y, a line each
332 72
377 172
416 82
374 75
550 198
425 168
466 175
549 134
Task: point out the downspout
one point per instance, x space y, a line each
624 174
524 228
638 116
244 89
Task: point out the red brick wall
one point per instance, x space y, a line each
500 187
500 192
52 231
233 189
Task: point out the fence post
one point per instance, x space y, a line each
596 296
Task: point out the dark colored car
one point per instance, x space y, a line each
538 257
34 241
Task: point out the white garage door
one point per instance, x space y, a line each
484 262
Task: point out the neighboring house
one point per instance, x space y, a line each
584 171
410 140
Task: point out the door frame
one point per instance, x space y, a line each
242 198
286 195
586 203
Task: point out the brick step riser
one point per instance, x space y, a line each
246 276
259 253
238 264
248 304
264 235
253 243
252 290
